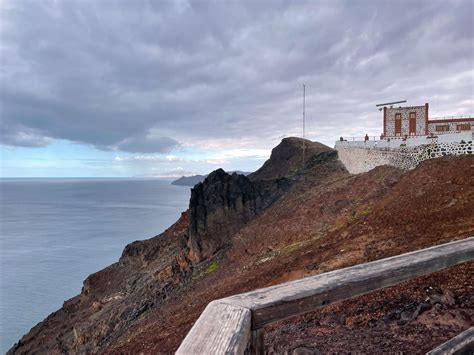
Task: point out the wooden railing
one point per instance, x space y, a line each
234 324
459 345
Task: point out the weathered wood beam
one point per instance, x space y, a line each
257 343
292 298
221 329
461 344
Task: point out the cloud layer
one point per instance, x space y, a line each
150 76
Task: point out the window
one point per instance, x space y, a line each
398 124
463 127
412 127
442 128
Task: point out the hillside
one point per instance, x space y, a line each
283 222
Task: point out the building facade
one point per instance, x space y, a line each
443 126
405 121
409 137
414 121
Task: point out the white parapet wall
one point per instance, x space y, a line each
362 156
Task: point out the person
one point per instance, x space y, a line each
381 136
341 138
366 137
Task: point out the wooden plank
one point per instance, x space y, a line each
461 344
221 329
292 298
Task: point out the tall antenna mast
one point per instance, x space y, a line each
304 98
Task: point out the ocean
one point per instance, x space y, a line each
55 232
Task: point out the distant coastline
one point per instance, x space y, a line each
196 179
189 180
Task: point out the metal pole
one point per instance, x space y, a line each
304 98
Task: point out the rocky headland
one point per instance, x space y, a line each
196 179
287 220
188 180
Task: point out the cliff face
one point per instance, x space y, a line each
221 205
279 224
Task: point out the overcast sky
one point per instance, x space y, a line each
162 88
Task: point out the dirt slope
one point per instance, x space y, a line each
325 225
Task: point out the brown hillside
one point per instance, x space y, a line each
343 222
325 219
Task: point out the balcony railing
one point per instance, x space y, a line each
449 117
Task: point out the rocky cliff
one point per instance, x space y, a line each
222 204
283 222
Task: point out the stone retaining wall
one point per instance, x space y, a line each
361 159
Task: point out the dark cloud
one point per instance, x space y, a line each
141 76
23 136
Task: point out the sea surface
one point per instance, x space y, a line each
55 232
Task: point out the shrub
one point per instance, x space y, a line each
292 248
212 267
365 212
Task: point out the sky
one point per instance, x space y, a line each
149 88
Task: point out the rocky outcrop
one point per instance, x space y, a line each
286 159
221 205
